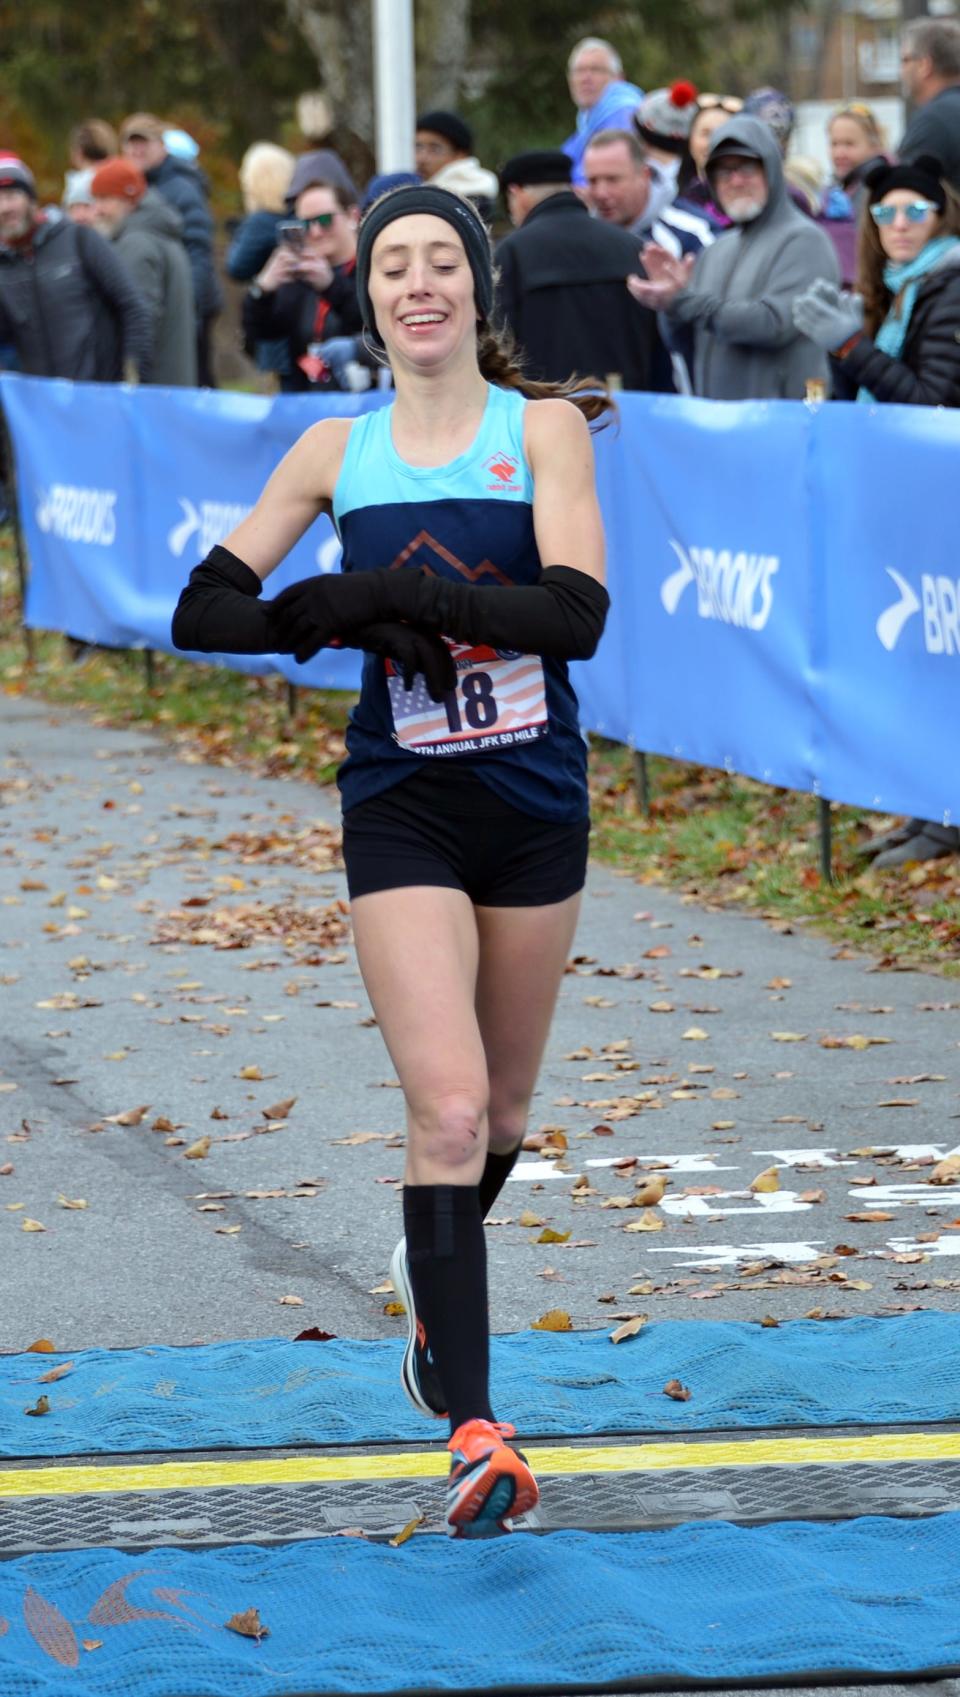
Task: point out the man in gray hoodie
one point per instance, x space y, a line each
146 232
736 296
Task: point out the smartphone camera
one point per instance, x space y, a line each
292 234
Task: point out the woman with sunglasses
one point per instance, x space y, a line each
306 294
856 145
712 111
467 510
898 340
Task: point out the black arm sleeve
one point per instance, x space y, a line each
562 615
218 611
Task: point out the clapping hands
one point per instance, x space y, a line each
827 316
666 277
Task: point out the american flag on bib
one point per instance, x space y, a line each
499 701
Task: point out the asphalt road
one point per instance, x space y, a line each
115 997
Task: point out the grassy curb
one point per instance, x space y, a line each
724 839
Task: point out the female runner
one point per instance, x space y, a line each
464 790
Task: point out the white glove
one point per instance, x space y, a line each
828 317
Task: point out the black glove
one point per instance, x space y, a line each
561 615
412 651
311 614
219 611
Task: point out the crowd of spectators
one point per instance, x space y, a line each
674 242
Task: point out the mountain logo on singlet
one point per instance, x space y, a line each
503 470
424 552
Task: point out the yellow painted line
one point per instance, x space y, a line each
433 1464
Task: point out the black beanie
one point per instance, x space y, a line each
460 214
448 125
923 174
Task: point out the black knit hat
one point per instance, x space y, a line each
448 125
543 165
923 174
460 214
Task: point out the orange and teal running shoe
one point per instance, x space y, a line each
418 1374
490 1483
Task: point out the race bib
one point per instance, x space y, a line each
499 702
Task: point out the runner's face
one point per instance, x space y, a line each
421 287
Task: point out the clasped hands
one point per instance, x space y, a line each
352 609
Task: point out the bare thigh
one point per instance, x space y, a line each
523 952
418 951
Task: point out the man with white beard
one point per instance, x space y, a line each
737 295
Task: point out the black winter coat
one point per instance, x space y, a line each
927 373
69 306
297 314
562 293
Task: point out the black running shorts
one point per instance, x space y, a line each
445 826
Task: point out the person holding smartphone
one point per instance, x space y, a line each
306 294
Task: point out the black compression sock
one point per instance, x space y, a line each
447 1258
494 1176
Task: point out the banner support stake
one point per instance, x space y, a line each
826 841
293 698
149 668
641 779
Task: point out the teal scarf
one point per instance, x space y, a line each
904 281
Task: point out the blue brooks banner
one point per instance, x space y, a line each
785 579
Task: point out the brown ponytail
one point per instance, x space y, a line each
501 364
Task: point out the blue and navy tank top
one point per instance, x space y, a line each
513 718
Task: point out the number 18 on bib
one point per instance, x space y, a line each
499 702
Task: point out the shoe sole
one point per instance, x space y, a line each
504 1490
408 1376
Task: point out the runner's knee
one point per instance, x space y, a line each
507 1123
448 1130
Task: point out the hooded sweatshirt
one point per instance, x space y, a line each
739 299
150 244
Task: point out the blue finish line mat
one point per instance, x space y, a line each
572 1612
275 1393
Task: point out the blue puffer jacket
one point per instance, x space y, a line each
253 242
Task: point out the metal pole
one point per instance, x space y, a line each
293 696
826 841
641 779
394 83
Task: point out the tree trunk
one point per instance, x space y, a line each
443 42
340 36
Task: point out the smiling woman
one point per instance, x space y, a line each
464 791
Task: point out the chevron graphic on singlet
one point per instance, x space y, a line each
423 540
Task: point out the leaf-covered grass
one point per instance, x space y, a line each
720 837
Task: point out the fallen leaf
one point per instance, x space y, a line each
407 1532
394 1310
248 1625
877 1214
65 1202
695 1034
648 1222
900 1102
789 1036
227 1231
92 1643
131 1116
768 1320
60 1372
198 1151
678 1392
765 1182
780 984
554 1320
280 1110
32 1226
42 1406
528 1218
313 1334
946 1172
290 1301
650 1191
630 1328
548 1235
812 1196
250 1072
43 1346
